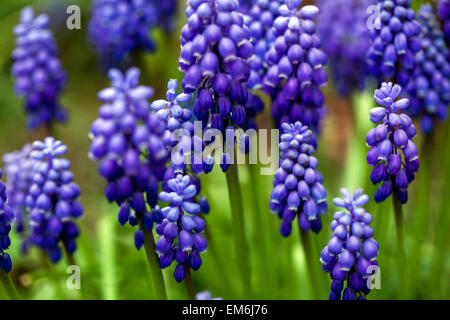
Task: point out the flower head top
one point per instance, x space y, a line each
39 75
350 255
342 28
387 141
171 110
297 185
6 216
296 67
214 52
118 28
429 85
127 139
52 200
19 176
181 229
395 43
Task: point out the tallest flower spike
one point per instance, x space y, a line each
215 47
387 141
39 75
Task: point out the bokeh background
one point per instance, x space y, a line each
111 267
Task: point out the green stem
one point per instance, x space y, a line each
8 285
189 284
237 213
312 266
153 263
260 223
401 263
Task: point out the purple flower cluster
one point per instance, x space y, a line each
181 229
387 141
350 256
127 139
215 48
297 186
259 20
19 177
52 200
167 11
180 223
443 9
117 28
39 75
6 216
395 43
341 25
429 85
296 67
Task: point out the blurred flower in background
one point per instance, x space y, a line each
341 25
6 216
18 167
119 28
52 200
39 75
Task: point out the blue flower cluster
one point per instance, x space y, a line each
181 229
215 48
117 28
40 77
259 20
392 136
166 11
394 44
429 86
6 216
127 139
52 200
297 186
19 177
296 70
341 25
350 256
443 9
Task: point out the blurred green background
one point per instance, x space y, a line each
111 267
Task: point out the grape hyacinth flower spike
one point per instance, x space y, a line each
180 231
40 78
296 67
6 216
52 200
350 255
127 139
391 138
215 47
118 28
429 85
19 176
259 20
297 186
395 43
